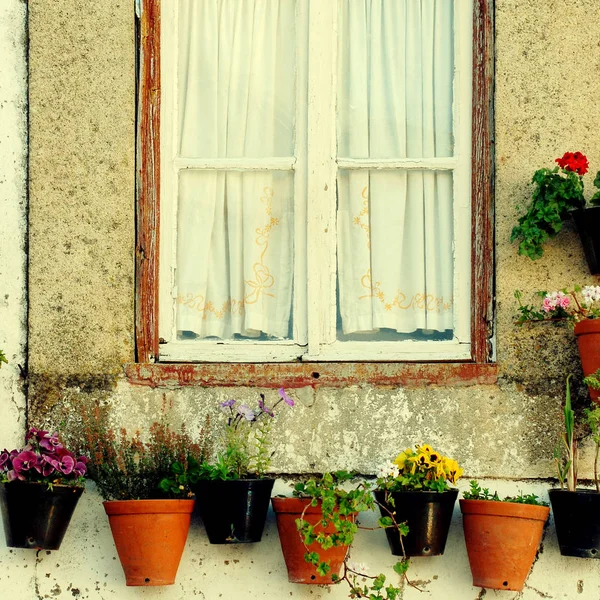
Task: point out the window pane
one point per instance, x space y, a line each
395 258
234 269
395 74
236 70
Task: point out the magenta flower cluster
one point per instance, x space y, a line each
43 458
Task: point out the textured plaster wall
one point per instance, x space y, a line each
13 209
81 307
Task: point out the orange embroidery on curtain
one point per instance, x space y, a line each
263 280
401 301
364 213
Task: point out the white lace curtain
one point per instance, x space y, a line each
236 88
236 100
395 227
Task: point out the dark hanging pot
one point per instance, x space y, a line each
588 225
428 516
577 522
587 333
35 516
234 511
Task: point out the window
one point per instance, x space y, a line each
316 197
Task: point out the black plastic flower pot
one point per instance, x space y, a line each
35 516
588 225
234 511
428 516
577 521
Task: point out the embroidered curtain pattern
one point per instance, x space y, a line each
235 228
395 228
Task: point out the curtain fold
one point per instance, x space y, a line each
235 229
395 73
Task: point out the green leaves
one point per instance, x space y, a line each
2 358
476 493
556 193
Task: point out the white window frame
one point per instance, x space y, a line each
314 301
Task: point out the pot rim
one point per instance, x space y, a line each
583 491
151 506
587 326
497 508
55 486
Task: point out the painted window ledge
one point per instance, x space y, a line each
296 375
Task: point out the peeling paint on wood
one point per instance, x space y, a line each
482 181
148 184
312 374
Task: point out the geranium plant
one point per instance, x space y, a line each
43 459
246 439
556 193
340 507
420 469
572 305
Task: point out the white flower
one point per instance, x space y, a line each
591 293
388 470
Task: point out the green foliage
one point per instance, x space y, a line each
592 417
593 380
340 507
3 358
556 193
565 455
128 467
478 493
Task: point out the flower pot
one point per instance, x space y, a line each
577 522
35 516
150 537
234 511
502 539
287 510
428 516
588 225
587 333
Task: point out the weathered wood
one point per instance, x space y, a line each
482 181
148 184
296 375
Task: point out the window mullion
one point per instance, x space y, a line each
321 186
462 173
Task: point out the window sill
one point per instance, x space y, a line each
296 375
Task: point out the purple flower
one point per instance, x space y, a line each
80 469
227 404
289 401
263 407
25 461
46 466
12 475
4 459
65 463
246 412
50 442
36 434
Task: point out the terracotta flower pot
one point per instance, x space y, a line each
34 516
287 510
587 333
150 536
577 523
234 511
428 516
502 539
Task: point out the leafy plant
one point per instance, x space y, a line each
128 467
43 459
593 380
3 358
246 438
477 493
556 193
566 453
421 469
340 507
592 417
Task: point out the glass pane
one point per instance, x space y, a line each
395 259
235 265
395 74
236 78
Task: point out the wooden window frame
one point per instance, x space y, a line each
480 368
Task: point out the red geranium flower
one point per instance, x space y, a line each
574 161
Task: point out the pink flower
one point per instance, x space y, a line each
547 305
564 301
